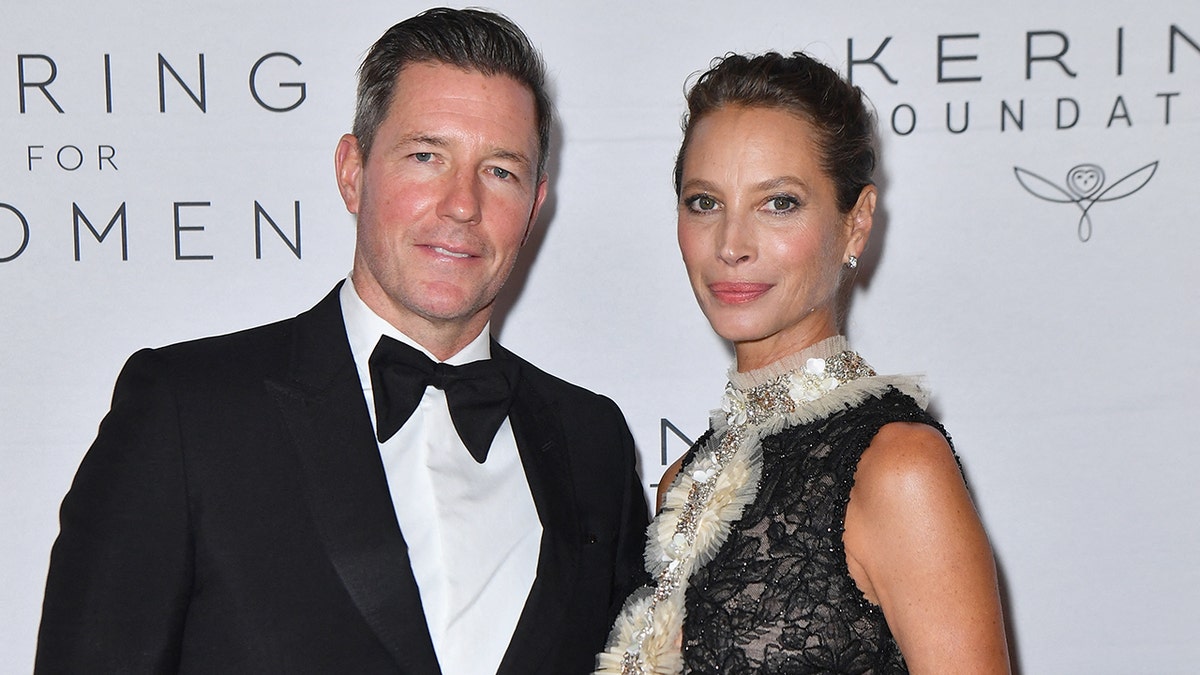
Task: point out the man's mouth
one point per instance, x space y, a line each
446 252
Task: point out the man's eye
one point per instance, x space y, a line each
503 174
422 156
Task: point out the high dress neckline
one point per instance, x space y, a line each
710 492
788 384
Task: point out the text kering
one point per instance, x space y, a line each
37 75
1046 53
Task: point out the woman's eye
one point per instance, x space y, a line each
702 203
783 203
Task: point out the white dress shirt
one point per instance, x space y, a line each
472 530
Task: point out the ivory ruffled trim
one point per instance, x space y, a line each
650 630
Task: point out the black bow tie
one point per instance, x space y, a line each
479 393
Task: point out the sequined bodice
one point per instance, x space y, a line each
778 597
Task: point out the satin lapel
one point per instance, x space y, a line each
540 442
347 490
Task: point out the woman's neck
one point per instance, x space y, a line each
756 354
747 378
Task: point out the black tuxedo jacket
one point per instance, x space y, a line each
233 516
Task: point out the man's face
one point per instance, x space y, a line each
445 199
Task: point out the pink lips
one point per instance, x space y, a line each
738 292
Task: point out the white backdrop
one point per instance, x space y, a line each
1064 368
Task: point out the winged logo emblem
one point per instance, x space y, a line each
1085 187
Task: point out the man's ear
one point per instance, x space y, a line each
348 164
538 199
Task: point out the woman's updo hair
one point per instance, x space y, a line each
805 87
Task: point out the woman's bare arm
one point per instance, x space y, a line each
915 545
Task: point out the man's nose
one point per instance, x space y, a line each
462 199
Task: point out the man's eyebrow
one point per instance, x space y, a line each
512 156
424 139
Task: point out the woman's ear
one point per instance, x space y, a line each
859 222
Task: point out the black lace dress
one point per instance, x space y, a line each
778 597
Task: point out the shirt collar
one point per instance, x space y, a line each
364 328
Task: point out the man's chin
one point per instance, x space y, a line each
457 309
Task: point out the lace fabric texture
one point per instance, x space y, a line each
778 597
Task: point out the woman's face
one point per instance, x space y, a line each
760 231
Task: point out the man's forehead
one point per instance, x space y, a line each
430 87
